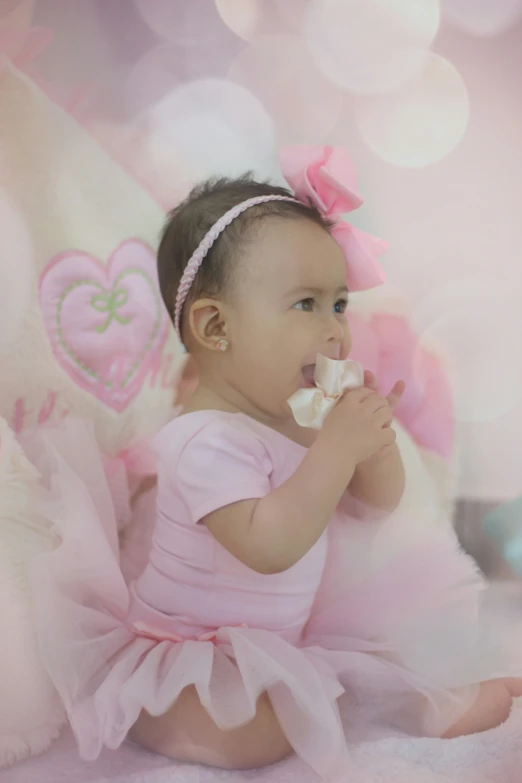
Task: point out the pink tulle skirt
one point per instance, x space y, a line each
399 645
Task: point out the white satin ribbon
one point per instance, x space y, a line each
332 378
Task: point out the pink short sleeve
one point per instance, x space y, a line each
221 464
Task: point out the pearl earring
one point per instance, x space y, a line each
222 345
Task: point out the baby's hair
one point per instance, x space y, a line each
188 223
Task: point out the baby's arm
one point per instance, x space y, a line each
378 483
272 534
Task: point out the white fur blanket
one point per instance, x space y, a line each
30 712
494 757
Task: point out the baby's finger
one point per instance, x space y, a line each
370 381
374 403
389 436
384 416
361 393
396 393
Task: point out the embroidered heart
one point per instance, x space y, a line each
106 324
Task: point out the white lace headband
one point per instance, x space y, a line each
204 246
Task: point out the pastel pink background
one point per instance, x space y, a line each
433 119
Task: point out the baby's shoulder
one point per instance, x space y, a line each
216 431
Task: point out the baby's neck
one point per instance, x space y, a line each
208 398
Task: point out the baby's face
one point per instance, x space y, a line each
288 305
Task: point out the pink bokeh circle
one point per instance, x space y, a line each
303 103
483 18
420 124
371 47
215 126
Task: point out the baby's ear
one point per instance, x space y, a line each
207 323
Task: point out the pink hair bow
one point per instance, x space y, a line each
332 378
326 177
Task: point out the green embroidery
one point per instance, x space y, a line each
109 302
104 296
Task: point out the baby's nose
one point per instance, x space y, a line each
335 330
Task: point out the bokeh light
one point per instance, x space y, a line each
81 50
279 70
371 46
420 124
214 126
243 17
482 17
478 322
155 75
16 256
159 168
165 65
183 23
293 12
15 14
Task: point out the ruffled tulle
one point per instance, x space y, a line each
399 641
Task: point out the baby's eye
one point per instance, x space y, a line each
305 304
340 306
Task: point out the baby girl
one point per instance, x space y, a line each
229 650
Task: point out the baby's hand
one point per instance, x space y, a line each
360 424
393 398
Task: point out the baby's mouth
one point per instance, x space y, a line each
308 373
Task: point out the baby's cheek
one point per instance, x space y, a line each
346 344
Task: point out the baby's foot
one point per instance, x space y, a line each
491 708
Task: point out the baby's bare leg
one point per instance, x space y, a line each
187 733
491 708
